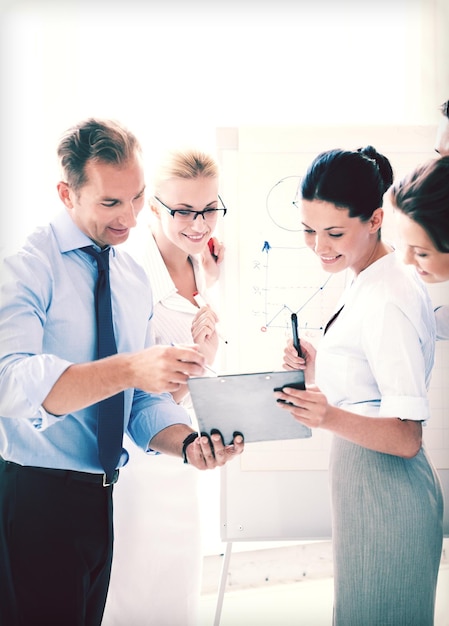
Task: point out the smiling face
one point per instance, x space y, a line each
339 241
192 194
106 207
419 250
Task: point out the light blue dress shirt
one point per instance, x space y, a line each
47 323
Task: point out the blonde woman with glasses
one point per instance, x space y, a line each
156 575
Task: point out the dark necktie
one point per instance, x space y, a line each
110 410
332 320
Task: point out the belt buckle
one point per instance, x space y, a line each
113 481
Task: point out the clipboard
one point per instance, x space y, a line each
245 403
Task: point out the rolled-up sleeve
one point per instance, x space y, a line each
397 360
20 396
26 375
405 407
151 413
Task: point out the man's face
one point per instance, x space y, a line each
442 138
106 207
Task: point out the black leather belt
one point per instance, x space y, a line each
86 477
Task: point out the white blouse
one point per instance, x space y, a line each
157 548
376 358
172 313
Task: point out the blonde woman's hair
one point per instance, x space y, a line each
187 163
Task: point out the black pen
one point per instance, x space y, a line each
296 342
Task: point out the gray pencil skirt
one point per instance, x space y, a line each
387 515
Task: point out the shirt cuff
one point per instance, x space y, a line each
153 413
405 407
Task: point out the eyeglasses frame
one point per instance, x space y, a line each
174 211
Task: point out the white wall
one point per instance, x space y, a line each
174 70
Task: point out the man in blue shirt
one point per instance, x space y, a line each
56 529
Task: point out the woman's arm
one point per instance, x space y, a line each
390 435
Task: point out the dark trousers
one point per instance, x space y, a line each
56 540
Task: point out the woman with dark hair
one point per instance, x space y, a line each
372 369
421 200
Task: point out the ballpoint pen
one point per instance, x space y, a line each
205 366
296 341
209 369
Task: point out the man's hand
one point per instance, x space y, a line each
165 368
154 370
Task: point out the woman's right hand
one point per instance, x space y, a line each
212 257
204 333
294 362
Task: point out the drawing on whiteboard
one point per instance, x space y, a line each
280 203
288 280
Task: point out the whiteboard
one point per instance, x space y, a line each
279 490
273 506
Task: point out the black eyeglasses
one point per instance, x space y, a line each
185 215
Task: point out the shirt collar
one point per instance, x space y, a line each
161 281
67 233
